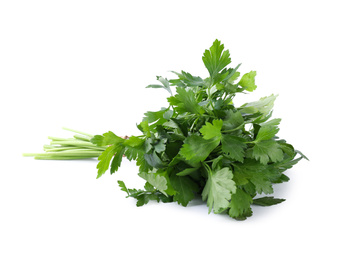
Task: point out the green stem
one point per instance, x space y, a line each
194 122
79 147
78 132
207 168
66 153
59 139
75 143
66 148
83 138
41 157
234 129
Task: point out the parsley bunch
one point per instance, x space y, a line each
201 144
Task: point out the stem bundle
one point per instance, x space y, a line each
78 147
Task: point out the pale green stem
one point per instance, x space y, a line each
74 143
79 147
41 157
84 138
78 132
66 153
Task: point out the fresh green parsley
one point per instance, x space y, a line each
200 145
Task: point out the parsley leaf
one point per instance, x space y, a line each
165 84
218 190
185 189
186 79
156 180
196 149
266 132
105 159
213 130
267 201
232 120
257 174
247 81
263 106
240 205
267 150
185 101
234 147
215 59
108 138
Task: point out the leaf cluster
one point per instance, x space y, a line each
201 144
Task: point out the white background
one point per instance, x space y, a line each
85 65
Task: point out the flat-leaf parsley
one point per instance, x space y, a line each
201 144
